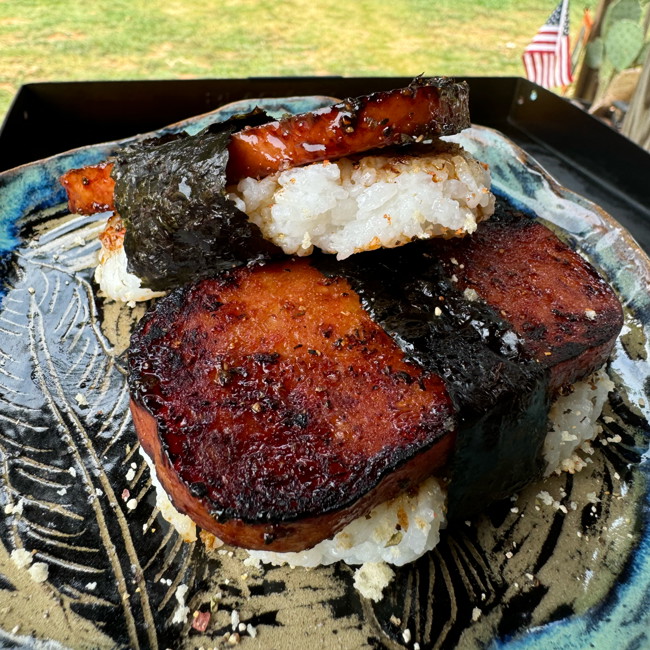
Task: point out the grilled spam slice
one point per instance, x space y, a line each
565 312
276 411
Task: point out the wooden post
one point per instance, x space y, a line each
586 85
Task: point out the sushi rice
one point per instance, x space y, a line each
114 280
348 206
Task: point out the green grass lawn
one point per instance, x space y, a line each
57 40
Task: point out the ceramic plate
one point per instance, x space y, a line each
86 559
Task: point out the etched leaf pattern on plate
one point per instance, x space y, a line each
76 491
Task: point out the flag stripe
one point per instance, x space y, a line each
547 58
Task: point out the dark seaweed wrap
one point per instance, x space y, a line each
171 195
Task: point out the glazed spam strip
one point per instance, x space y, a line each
299 413
277 407
423 110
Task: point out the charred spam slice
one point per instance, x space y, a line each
276 411
427 108
89 189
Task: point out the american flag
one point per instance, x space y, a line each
547 58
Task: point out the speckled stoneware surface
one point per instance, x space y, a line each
523 575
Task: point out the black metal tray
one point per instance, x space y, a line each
584 154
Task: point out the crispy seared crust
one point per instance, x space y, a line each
281 410
567 315
428 108
285 536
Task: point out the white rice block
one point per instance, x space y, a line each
573 422
349 206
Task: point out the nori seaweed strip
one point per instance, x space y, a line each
500 394
170 192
